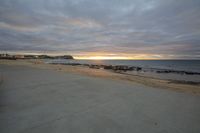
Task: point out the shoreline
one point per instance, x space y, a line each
130 68
180 86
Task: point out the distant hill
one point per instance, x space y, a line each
7 56
64 57
55 57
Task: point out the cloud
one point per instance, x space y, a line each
20 28
82 23
157 27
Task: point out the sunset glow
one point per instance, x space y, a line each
103 58
118 57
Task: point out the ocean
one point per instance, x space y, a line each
149 67
182 65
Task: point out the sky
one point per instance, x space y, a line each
135 29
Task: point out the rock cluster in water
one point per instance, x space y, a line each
116 68
178 72
124 68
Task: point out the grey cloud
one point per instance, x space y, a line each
129 26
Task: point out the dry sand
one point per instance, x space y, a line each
36 100
148 81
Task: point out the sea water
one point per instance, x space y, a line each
183 65
149 67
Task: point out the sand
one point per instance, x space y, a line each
55 100
185 87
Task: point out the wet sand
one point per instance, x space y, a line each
44 98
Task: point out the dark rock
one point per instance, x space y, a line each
178 72
108 67
75 64
123 68
94 66
138 69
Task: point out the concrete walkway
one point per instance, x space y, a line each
45 101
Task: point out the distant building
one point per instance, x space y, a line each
4 55
7 56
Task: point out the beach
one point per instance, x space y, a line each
175 85
38 97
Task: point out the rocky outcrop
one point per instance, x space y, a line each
124 68
106 67
178 72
